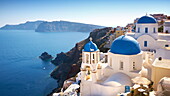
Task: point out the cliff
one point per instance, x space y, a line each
66 26
24 26
69 63
55 26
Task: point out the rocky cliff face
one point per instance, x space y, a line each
65 26
55 26
25 26
69 63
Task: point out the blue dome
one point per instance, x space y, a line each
90 47
125 45
146 19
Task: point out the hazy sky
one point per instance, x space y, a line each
100 12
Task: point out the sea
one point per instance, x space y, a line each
22 72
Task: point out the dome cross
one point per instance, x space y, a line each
91 38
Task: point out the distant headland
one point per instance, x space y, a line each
55 26
23 26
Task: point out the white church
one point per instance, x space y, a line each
145 53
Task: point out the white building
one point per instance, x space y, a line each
167 26
149 38
160 69
131 55
99 77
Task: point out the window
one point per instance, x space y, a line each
111 62
134 66
166 31
138 29
93 56
154 30
145 43
121 65
87 58
166 45
93 60
106 58
88 72
154 51
160 58
146 30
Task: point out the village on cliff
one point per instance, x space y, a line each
137 64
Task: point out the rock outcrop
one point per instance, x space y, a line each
66 26
45 56
25 26
69 63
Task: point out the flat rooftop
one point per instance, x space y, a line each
164 63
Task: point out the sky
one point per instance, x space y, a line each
109 13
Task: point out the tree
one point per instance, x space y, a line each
160 29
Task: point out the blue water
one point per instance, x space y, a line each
22 73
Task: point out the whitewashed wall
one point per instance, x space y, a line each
151 42
164 53
167 28
127 60
94 89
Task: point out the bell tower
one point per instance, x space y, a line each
90 60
